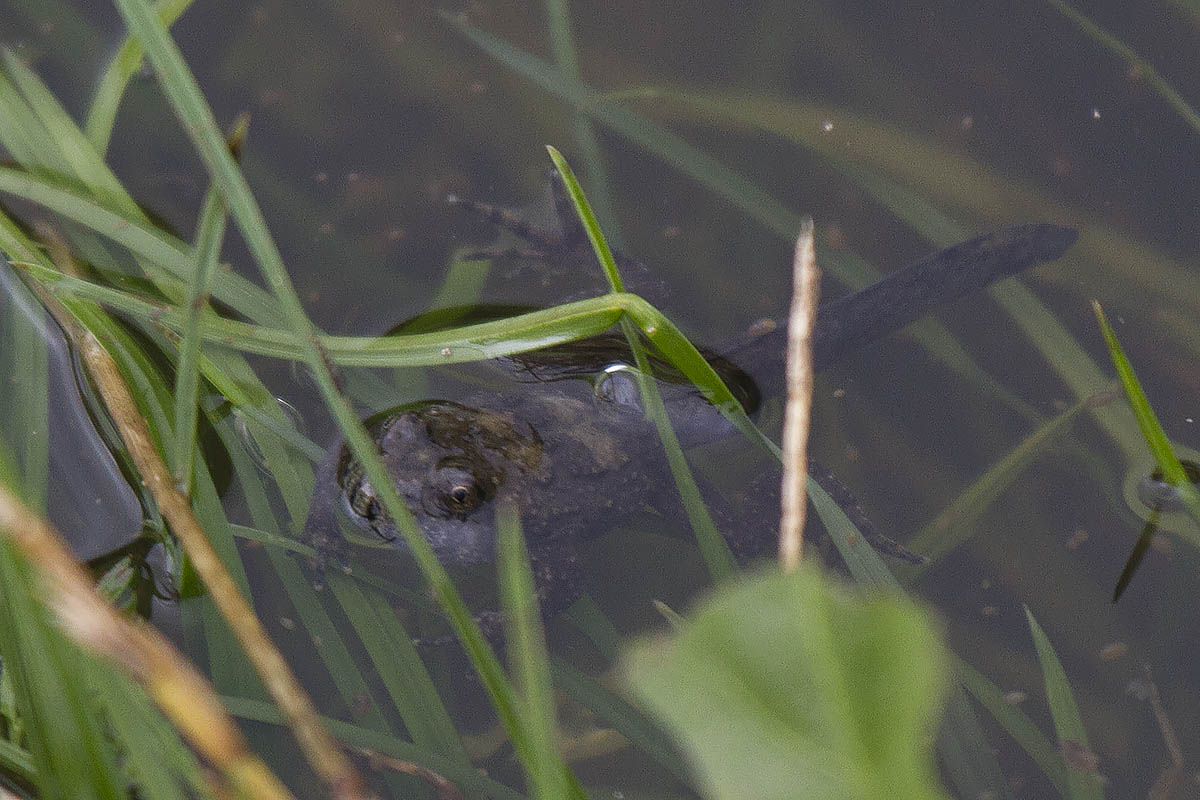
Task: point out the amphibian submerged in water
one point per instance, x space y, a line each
573 459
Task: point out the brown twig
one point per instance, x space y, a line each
806 288
318 746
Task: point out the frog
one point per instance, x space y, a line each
574 456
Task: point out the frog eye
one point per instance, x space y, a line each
363 501
453 491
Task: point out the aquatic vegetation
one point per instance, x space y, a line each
154 297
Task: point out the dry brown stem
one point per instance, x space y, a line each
806 289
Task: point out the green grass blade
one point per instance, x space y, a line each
102 114
967 756
588 218
526 643
157 761
1152 432
210 234
79 157
955 523
712 545
1145 71
184 95
1081 783
286 454
466 778
24 371
479 342
629 721
20 131
157 248
586 615
399 667
562 46
1015 723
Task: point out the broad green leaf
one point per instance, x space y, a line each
785 686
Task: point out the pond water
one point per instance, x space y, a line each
702 132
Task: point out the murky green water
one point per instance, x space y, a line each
899 128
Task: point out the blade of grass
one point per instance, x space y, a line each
72 756
25 364
21 132
355 736
1156 439
955 524
642 732
1144 70
184 95
78 155
400 668
712 545
273 433
102 114
562 45
1015 723
586 615
156 761
968 757
1081 783
526 643
478 342
210 234
154 246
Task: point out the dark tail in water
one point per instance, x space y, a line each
904 296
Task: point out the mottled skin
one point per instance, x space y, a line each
574 470
575 459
